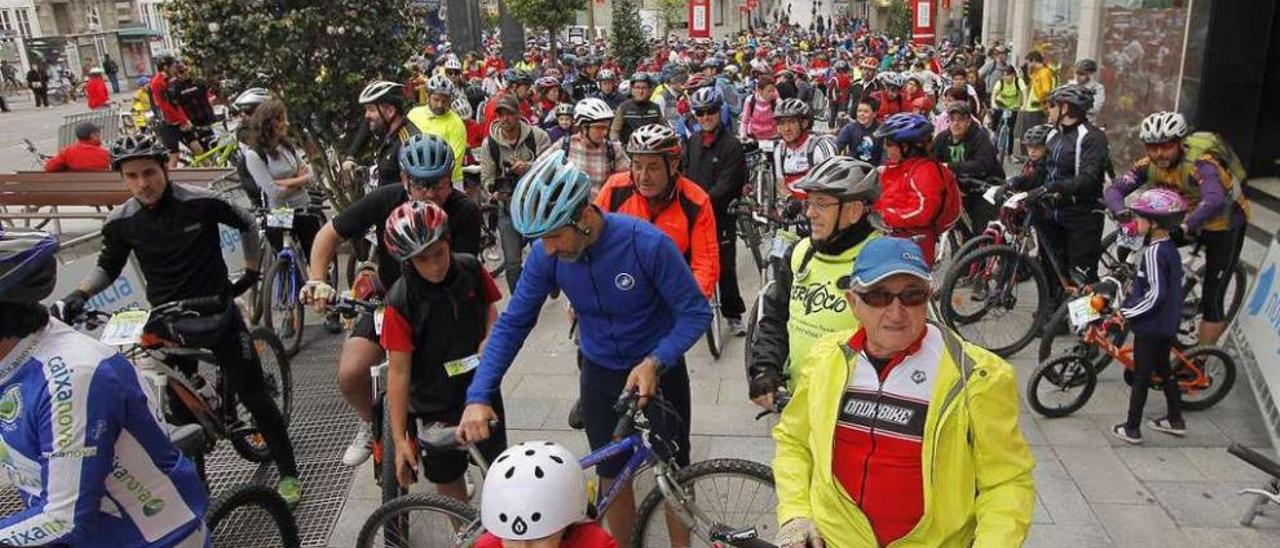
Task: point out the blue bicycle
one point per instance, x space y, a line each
282 312
710 503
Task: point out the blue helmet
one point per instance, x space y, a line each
143 81
28 269
705 98
905 127
426 157
548 196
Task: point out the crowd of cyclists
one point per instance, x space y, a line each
622 186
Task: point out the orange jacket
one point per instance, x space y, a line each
688 220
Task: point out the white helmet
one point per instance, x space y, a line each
382 91
440 84
591 109
451 63
533 490
250 98
1162 127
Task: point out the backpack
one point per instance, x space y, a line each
952 206
1206 142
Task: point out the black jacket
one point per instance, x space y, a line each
1076 161
631 115
719 169
973 157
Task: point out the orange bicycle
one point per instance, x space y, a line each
1062 385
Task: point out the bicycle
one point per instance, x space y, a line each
1204 374
683 491
1262 495
278 299
218 155
993 273
166 364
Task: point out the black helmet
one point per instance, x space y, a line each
520 77
1037 135
1086 65
28 269
1080 98
134 147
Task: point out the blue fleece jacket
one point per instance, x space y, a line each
633 294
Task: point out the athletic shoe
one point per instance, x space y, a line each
1123 432
361 446
1163 424
290 489
736 327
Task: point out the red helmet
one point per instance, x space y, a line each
868 62
412 227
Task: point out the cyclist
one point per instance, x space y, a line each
840 90
426 163
244 105
1153 310
858 139
758 118
184 263
668 97
384 109
590 148
140 107
76 427
889 95
564 123
1006 95
437 316
637 111
1075 169
86 154
715 162
439 119
638 306
607 80
511 148
519 86
1197 166
548 95
1034 143
585 85
898 432
279 169
538 478
1085 71
1040 83
920 198
966 148
800 149
803 303
174 126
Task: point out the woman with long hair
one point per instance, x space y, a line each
280 170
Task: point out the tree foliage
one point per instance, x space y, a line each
672 13
548 15
629 43
316 55
899 24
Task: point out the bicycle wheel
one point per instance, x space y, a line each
1061 386
421 521
387 466
1056 336
251 515
753 321
277 380
256 293
995 297
1205 374
282 311
715 331
732 493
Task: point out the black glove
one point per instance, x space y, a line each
245 282
1179 236
70 307
764 384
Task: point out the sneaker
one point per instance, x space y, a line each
361 447
1123 432
575 416
290 489
1167 426
738 328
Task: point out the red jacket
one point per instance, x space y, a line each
911 197
888 105
171 113
587 534
81 156
95 89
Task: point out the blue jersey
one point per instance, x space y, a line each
79 441
633 294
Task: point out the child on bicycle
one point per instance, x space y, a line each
1034 143
535 496
437 318
1153 310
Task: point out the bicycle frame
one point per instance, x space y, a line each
1096 335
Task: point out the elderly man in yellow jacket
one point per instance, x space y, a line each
899 433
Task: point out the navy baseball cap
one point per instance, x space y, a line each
883 257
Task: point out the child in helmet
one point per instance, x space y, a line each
564 123
535 496
1031 175
1153 310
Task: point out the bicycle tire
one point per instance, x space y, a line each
1218 388
1022 265
684 478
453 510
753 321
715 333
1053 372
1058 325
389 487
277 377
261 496
274 290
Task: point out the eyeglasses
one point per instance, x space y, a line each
879 298
705 112
820 206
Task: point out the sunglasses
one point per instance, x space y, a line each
879 298
705 112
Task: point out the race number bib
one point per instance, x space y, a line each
990 195
1081 311
280 217
1013 201
462 366
125 328
378 315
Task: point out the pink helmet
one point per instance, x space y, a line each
1160 204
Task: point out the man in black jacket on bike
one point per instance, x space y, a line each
966 148
1074 169
172 231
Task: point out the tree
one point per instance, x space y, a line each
316 55
548 15
899 24
629 43
672 13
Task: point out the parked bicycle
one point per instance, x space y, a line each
282 311
694 495
1065 383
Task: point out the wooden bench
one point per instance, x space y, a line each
23 194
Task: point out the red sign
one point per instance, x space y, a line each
699 18
922 21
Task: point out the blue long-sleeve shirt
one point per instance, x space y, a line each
1154 303
633 294
80 443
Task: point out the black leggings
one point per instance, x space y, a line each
731 304
1151 355
1221 253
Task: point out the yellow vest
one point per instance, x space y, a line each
448 127
817 307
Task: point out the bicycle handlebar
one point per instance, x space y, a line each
348 307
627 406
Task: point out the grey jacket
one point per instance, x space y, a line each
493 167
